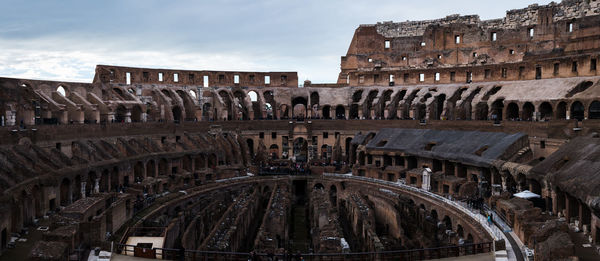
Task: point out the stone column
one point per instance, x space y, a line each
97 186
83 189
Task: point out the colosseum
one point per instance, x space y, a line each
454 139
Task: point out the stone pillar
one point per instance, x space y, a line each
96 186
503 183
568 206
83 189
63 117
347 115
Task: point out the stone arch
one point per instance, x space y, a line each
299 105
434 215
512 111
188 104
561 110
528 110
340 112
460 231
326 112
121 114
545 110
354 111
138 172
177 114
319 186
314 104
250 143
62 90
151 168
497 109
357 96
577 110
481 111
447 222
594 110
254 99
438 108
137 114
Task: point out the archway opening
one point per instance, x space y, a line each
121 114
545 111
299 105
136 114
594 112
327 112
340 112
177 114
512 111
577 110
138 172
528 110
497 108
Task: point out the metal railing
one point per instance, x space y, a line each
413 254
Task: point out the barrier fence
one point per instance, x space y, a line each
413 254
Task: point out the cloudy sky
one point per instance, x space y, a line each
65 39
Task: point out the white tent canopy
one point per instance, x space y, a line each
526 194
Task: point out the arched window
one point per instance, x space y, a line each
61 90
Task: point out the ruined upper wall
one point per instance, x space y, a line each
131 75
567 9
548 37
